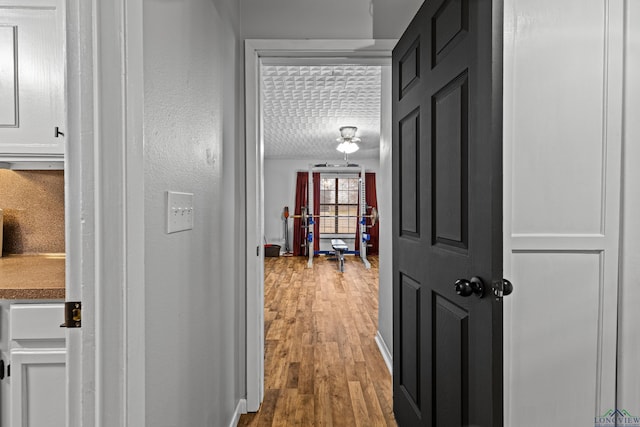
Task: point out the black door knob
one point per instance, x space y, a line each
507 287
465 287
502 289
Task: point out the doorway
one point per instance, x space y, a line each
257 51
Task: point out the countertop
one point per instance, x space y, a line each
37 276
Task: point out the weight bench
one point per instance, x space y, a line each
340 247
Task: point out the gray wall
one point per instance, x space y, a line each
629 333
391 17
192 73
329 19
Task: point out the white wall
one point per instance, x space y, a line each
332 19
193 302
280 191
629 334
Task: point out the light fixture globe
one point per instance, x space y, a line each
347 147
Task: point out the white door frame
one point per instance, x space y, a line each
255 51
105 212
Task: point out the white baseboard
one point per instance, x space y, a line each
384 350
241 408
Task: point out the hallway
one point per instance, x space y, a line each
322 364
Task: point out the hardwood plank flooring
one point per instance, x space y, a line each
322 365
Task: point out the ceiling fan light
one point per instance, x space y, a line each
341 139
347 147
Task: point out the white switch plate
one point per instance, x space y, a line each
179 211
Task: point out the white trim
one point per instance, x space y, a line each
241 408
323 48
628 394
79 213
105 193
384 351
255 50
324 61
255 291
134 239
508 131
109 198
611 200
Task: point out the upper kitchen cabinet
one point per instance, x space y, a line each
32 79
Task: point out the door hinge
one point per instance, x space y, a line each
72 314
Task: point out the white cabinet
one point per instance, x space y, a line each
32 84
38 388
33 391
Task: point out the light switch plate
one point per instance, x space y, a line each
179 211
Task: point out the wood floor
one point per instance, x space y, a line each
322 365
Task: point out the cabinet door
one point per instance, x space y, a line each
38 388
32 68
5 391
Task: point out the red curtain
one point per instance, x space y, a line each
316 211
301 200
372 200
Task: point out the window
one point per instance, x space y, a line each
338 205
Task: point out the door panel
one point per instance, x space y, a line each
450 23
409 341
409 68
409 173
447 146
450 165
451 337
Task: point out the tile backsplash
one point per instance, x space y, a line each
33 205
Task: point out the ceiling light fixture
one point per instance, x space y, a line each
348 140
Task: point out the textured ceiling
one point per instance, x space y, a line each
305 106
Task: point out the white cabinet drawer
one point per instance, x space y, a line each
36 321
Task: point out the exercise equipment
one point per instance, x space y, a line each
340 247
305 230
374 215
285 216
307 218
308 221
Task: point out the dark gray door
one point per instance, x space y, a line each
447 247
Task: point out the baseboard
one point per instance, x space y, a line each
384 350
241 408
